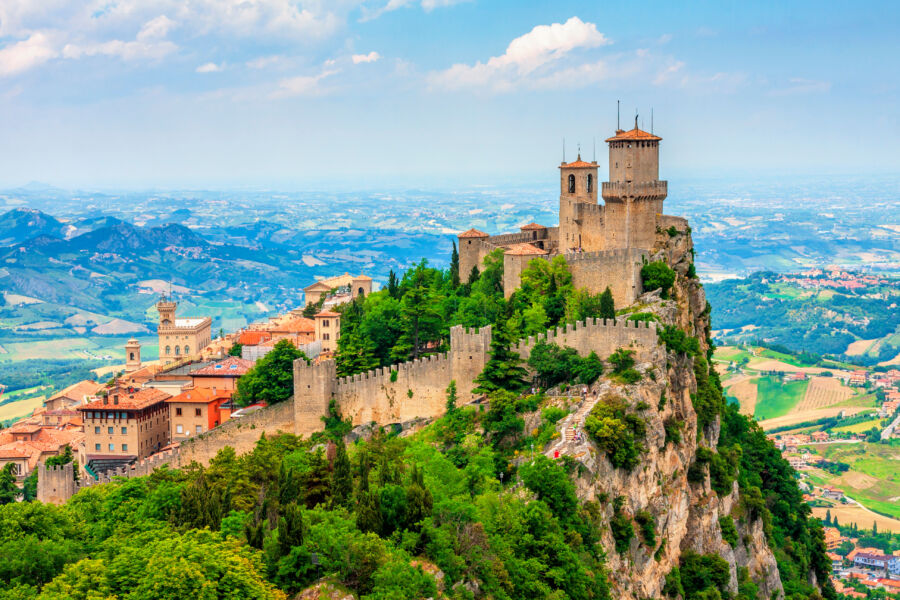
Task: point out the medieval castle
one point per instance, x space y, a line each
603 245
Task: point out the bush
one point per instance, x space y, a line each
621 527
703 573
648 527
673 430
729 531
554 365
622 361
657 275
619 433
676 340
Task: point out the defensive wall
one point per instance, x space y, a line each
56 484
400 392
417 389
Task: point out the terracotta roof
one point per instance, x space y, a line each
25 428
473 233
633 134
199 396
252 338
77 391
579 164
531 226
128 401
295 325
328 313
318 286
16 450
362 278
525 250
232 366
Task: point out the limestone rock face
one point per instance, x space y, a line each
686 514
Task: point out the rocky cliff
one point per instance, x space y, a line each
684 511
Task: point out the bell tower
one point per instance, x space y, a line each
577 187
132 355
634 194
166 309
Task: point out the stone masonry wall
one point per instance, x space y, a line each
390 394
419 387
618 269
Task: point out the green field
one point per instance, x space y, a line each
873 478
859 427
775 399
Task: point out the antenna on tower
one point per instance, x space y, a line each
579 150
594 143
635 118
564 150
618 115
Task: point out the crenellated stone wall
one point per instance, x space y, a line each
417 389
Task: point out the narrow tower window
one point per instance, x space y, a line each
590 186
571 184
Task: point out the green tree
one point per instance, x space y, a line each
503 370
420 316
271 379
454 267
451 397
657 275
393 286
341 477
236 350
290 528
9 491
607 305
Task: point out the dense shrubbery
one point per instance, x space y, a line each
617 431
657 275
554 365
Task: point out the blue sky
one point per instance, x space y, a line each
349 93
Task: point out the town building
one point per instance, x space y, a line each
195 411
346 284
77 394
221 375
180 338
126 425
833 493
876 560
819 436
604 245
26 445
328 330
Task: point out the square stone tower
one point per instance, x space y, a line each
577 193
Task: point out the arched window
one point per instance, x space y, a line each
571 184
187 350
168 350
590 183
361 292
131 356
177 350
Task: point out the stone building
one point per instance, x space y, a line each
604 245
132 355
346 284
195 411
124 426
180 338
328 329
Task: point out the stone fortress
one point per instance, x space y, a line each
180 338
603 245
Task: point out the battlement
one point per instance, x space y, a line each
617 190
603 336
506 239
617 254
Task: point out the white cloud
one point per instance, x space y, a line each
264 61
24 55
392 5
526 58
156 28
150 43
210 67
802 86
366 58
303 85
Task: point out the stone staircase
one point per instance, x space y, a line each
567 426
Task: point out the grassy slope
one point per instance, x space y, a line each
873 478
775 399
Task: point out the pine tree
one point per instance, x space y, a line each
503 371
555 304
474 274
451 397
341 478
874 528
419 501
421 319
828 517
454 267
607 305
290 529
317 481
368 509
393 285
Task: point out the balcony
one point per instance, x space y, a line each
651 190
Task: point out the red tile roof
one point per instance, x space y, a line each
253 338
232 366
633 134
531 227
199 396
136 400
473 233
525 250
362 278
295 325
579 164
328 313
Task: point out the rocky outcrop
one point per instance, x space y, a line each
686 514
